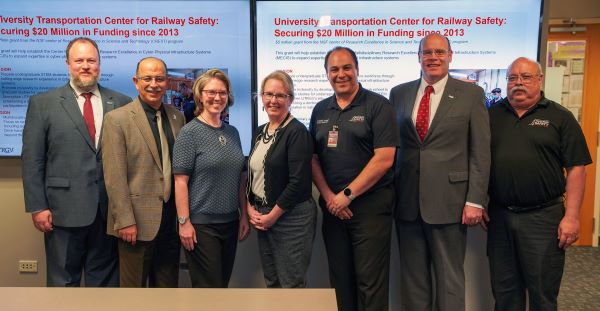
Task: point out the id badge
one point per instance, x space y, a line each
332 139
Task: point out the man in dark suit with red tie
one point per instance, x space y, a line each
441 178
62 172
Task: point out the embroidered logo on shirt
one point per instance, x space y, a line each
322 121
357 119
540 123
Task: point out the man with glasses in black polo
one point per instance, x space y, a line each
534 141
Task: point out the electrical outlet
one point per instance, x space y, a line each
28 266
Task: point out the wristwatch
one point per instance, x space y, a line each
182 220
348 193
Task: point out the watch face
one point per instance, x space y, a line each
181 220
347 192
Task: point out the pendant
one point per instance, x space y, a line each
223 140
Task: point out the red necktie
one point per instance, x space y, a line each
88 115
422 121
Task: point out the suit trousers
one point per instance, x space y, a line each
153 263
425 246
285 248
69 250
358 251
211 261
525 258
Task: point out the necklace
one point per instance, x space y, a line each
222 139
206 121
266 138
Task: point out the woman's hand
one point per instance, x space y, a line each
187 235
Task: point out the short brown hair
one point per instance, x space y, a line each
82 39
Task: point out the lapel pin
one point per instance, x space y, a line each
451 96
174 117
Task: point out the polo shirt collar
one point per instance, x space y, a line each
543 102
355 101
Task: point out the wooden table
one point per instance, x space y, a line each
165 299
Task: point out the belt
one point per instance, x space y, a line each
520 209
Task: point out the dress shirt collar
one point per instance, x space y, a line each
95 90
438 87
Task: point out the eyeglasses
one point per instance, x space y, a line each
213 93
526 78
267 96
437 52
158 79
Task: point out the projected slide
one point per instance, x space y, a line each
190 36
485 36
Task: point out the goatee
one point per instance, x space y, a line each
84 84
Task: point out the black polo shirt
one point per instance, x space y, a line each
529 154
366 124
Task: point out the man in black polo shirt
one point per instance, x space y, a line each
355 136
533 141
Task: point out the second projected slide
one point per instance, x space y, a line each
485 36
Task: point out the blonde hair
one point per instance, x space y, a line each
282 76
203 80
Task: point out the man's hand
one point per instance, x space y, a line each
128 234
339 206
42 220
485 221
344 213
568 231
328 197
471 215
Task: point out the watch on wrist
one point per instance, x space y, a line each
348 193
182 220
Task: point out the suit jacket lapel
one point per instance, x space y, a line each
446 103
107 100
69 103
411 97
172 117
138 115
107 105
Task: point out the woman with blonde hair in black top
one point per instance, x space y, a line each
280 204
